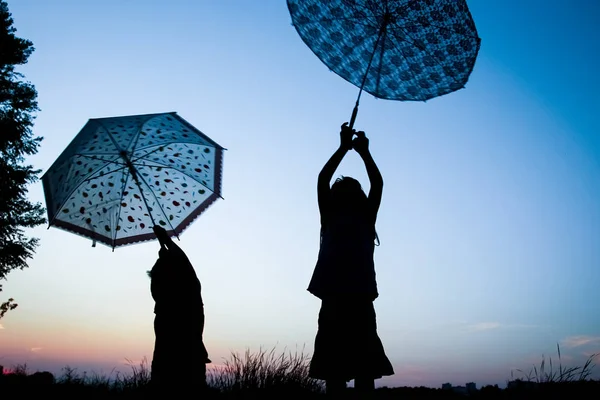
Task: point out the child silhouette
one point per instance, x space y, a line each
347 345
180 357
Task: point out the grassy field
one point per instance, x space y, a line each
267 374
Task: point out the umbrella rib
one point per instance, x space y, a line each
141 178
382 29
472 36
384 38
126 175
111 172
91 174
96 153
413 42
164 145
404 39
367 13
178 170
316 21
101 159
368 24
110 136
135 139
355 21
147 154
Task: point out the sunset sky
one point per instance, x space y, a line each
490 218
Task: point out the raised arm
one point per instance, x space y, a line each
171 250
165 241
323 188
162 236
361 145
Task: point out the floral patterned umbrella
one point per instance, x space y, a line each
121 176
393 49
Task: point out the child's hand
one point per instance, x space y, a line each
346 135
160 232
361 143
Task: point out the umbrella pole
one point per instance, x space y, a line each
138 183
354 112
364 80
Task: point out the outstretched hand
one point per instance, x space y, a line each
346 135
361 143
161 234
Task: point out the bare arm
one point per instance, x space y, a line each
170 250
165 241
162 236
323 188
361 145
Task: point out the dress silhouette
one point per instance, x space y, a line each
347 345
180 357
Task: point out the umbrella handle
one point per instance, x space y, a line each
382 30
353 118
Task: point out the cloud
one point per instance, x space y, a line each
484 326
567 357
35 349
488 326
595 355
580 340
523 326
1 327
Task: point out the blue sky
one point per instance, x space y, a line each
489 222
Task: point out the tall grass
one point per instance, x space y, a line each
549 373
115 381
265 371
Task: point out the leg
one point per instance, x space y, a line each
364 385
160 354
202 376
373 361
334 387
327 362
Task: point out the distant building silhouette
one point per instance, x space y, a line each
521 384
469 388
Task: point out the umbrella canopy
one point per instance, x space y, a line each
122 175
392 49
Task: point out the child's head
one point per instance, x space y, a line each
346 192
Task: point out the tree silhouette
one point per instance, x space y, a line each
17 105
7 306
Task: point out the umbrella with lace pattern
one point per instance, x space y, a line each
120 176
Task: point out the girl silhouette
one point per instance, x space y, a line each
347 345
180 357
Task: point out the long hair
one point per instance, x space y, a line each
347 194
